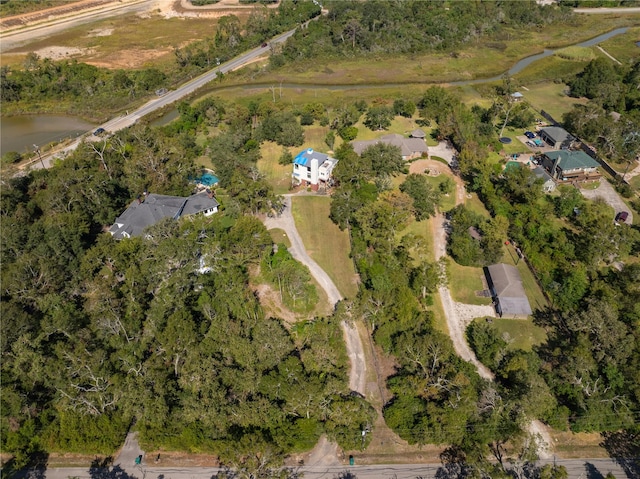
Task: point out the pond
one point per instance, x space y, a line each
20 133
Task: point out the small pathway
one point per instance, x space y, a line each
607 54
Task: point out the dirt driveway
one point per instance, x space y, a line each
610 196
325 452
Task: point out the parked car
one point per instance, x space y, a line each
99 131
622 216
529 134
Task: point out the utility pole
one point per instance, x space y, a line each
39 154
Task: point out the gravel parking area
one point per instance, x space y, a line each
610 195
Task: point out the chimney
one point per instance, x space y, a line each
554 173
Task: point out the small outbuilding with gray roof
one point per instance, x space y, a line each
509 296
556 136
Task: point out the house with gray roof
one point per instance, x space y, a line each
548 185
567 166
556 137
509 296
409 147
152 208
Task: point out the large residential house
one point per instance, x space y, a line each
151 208
409 147
568 166
313 168
506 288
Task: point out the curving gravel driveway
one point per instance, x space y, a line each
325 452
610 195
355 350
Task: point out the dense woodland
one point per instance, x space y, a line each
98 335
373 28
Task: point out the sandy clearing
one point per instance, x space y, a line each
60 53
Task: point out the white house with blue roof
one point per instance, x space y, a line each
313 168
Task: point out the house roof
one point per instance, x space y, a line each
153 208
408 146
198 203
305 156
540 172
517 94
557 134
418 133
572 160
507 286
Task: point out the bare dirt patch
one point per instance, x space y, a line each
101 32
128 59
60 53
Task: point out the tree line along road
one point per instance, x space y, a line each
119 123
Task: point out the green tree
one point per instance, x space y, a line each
378 117
425 198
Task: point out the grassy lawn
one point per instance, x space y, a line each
551 97
279 236
423 230
464 281
474 204
324 241
278 176
519 333
400 125
516 146
447 202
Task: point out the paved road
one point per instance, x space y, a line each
17 36
577 468
608 10
125 121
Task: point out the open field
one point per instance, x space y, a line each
552 98
549 68
623 47
278 176
127 41
519 333
464 281
324 241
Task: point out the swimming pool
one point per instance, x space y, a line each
207 179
